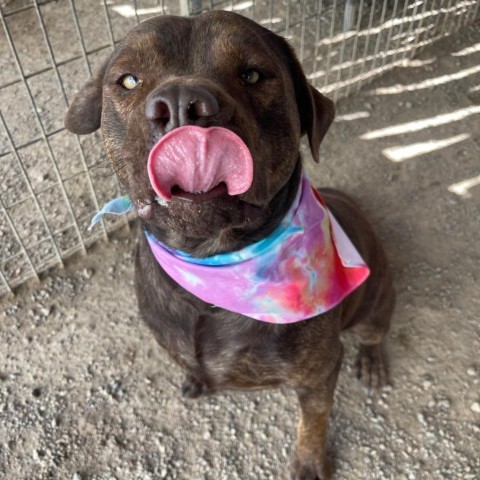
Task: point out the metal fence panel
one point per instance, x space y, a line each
53 181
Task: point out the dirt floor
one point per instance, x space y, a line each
85 392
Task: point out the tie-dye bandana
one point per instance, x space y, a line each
304 268
117 206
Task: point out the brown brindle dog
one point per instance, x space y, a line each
220 69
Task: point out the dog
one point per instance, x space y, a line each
172 79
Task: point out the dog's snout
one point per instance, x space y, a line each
179 105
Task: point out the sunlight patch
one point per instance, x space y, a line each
417 125
348 117
401 153
462 188
429 83
128 11
239 6
467 51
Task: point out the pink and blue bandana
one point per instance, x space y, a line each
306 267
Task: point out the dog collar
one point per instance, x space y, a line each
306 267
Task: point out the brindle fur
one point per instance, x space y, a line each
220 349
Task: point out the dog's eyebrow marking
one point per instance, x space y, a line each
150 47
232 51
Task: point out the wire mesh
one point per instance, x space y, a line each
53 181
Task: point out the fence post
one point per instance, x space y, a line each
350 15
190 6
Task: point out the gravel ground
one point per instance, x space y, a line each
85 393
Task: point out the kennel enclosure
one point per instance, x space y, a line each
53 181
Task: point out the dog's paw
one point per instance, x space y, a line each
311 470
371 367
193 388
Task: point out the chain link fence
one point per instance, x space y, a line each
52 181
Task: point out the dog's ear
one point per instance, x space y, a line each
316 111
316 114
85 112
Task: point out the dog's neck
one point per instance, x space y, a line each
302 269
236 238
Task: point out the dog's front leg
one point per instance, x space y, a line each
311 462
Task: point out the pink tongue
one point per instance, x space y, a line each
198 159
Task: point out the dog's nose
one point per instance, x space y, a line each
179 105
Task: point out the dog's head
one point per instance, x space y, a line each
216 70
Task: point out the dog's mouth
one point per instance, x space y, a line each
200 164
218 191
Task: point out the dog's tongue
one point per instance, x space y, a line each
197 159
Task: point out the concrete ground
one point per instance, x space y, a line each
85 392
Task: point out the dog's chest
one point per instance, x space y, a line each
227 349
221 348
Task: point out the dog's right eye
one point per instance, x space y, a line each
129 82
250 76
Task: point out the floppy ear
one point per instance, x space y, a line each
316 114
316 111
85 111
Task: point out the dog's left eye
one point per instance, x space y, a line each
129 82
250 76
